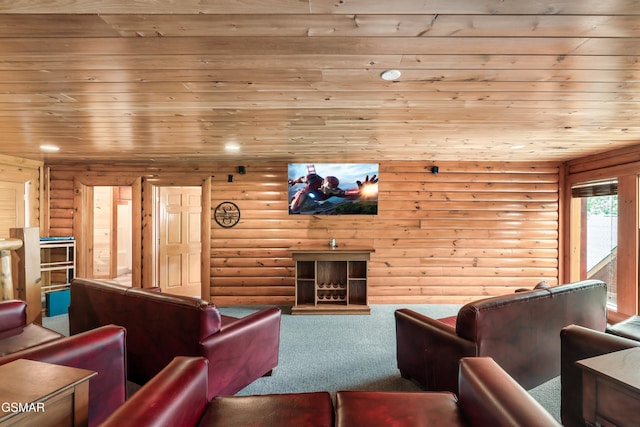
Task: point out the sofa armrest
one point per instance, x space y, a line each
242 351
577 343
488 396
13 315
177 395
428 350
100 350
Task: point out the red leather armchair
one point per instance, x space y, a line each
177 397
519 331
15 333
163 326
101 350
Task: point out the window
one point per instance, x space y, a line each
597 244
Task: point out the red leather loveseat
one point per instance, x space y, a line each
162 326
177 396
520 331
101 350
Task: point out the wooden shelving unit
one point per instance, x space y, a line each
57 262
331 281
57 269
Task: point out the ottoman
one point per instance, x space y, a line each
628 328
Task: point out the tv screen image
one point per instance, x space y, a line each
333 188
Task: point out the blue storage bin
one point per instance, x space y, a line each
57 302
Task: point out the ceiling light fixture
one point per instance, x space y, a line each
390 75
49 148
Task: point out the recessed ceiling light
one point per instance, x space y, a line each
390 75
49 148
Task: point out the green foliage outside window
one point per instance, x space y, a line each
602 205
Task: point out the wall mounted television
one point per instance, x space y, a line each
333 188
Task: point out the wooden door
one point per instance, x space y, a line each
179 240
12 196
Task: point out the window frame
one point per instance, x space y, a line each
627 277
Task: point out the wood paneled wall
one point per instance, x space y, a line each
473 230
20 180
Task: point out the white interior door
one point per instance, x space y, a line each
179 238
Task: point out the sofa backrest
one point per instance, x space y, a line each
93 303
159 326
199 318
520 331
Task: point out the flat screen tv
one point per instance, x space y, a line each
333 189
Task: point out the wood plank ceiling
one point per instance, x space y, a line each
299 80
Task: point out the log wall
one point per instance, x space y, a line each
473 230
26 177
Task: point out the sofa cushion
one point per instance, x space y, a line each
400 409
313 409
25 337
628 328
450 321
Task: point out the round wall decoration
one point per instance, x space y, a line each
227 214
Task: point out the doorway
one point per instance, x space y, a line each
112 237
145 220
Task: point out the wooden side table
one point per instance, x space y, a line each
37 393
611 388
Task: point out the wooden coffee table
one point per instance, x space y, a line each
611 388
37 393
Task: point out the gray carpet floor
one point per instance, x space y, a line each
343 352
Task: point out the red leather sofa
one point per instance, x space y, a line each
177 396
15 333
579 343
520 331
162 326
101 350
